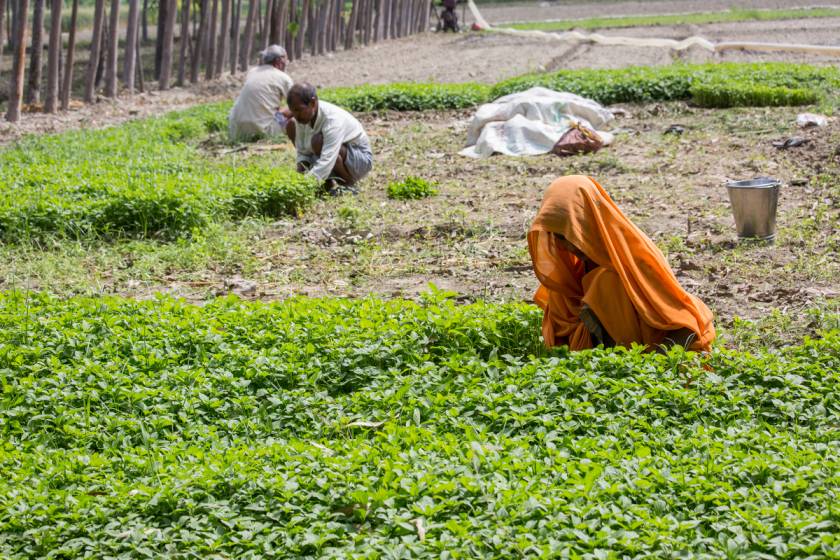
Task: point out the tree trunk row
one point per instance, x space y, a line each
217 41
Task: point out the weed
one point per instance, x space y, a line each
411 188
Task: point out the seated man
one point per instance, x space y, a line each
331 144
256 112
603 281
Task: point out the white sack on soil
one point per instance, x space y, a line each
531 122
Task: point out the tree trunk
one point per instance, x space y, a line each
140 78
168 40
95 50
144 19
269 29
2 26
113 49
211 41
236 39
184 42
245 54
351 26
369 21
312 31
303 19
201 41
395 19
53 57
289 16
224 38
377 22
130 59
67 86
33 92
163 5
18 63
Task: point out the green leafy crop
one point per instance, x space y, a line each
411 188
408 97
757 83
144 179
374 429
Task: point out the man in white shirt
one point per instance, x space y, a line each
331 144
256 112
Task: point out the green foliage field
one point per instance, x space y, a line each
152 178
408 97
759 83
372 429
148 178
699 18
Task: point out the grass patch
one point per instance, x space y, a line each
699 18
336 428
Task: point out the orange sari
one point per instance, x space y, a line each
632 290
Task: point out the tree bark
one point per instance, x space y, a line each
168 40
95 49
236 36
130 59
303 20
33 92
184 42
53 57
351 26
144 19
113 49
211 41
245 54
269 29
163 5
67 86
288 12
2 26
140 77
224 38
201 41
18 63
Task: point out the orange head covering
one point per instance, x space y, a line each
580 210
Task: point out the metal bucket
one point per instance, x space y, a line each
754 206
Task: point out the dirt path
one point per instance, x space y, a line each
575 9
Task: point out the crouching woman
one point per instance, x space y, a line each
603 281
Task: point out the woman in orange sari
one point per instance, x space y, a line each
603 281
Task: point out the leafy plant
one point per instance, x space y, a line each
677 82
368 428
411 188
145 179
408 97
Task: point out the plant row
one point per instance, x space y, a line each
707 85
374 429
149 178
698 18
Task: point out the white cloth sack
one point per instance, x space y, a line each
531 122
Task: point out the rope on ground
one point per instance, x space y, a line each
596 38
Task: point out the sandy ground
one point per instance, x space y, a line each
482 57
